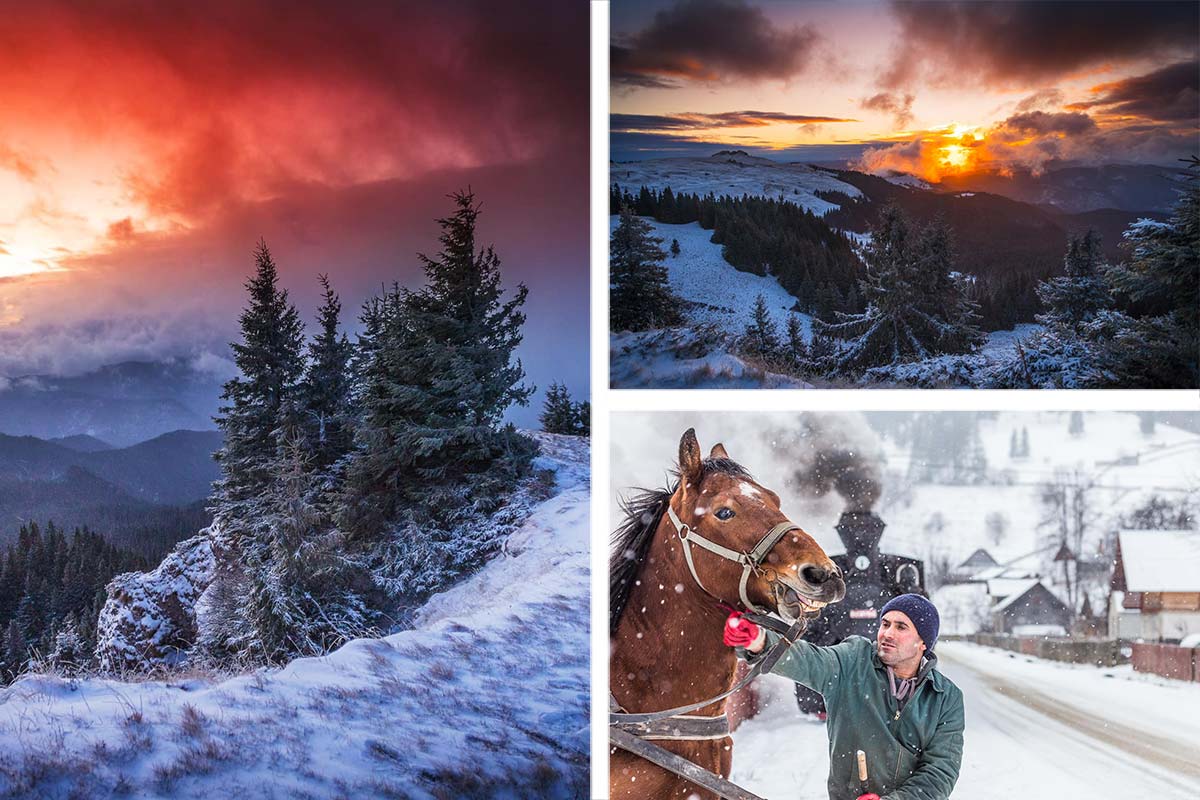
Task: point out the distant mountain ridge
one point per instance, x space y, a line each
120 404
145 497
1076 190
176 468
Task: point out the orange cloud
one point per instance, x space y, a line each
167 113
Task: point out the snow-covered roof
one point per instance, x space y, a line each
980 558
1010 587
1161 561
1018 594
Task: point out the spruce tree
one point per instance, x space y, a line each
264 396
1081 293
306 589
797 349
438 372
16 651
325 403
270 360
761 339
639 295
583 418
1161 348
559 414
914 309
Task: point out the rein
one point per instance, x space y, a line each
751 562
634 732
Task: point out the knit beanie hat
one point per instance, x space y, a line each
922 613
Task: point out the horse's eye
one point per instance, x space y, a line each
724 513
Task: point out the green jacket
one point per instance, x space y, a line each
912 754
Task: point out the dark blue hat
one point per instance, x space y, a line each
922 613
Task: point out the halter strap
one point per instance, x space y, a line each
750 561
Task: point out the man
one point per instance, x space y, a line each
887 699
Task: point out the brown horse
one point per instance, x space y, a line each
666 630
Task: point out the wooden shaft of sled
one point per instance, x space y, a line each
862 766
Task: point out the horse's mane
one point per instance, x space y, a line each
643 510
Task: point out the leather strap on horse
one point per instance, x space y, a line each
680 766
764 664
749 561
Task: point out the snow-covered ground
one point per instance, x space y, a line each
733 173
486 697
1035 729
721 304
686 358
724 296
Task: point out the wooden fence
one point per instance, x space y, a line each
1168 660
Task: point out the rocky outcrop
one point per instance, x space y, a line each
149 619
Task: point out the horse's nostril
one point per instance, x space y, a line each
814 575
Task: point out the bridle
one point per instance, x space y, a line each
635 732
751 562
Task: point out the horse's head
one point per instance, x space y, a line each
718 503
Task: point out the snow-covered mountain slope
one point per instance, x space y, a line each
486 697
722 295
733 173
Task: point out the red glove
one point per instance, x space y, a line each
739 632
868 797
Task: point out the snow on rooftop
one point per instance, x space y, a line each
1016 594
1161 561
1009 588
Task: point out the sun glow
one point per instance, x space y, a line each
954 156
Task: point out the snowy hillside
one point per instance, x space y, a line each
720 306
721 295
721 298
486 697
733 173
1167 461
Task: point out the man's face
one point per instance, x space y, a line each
897 639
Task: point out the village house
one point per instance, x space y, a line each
1156 585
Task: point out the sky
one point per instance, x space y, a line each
145 148
928 88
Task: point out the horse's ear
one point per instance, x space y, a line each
689 457
718 451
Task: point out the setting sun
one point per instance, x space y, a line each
955 156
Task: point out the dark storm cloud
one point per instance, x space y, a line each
1171 94
710 40
899 106
725 119
1003 43
1040 123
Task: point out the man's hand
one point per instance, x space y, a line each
868 797
741 632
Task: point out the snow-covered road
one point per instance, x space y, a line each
1035 729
